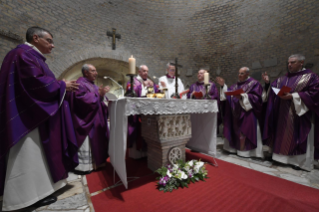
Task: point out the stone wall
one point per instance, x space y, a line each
260 34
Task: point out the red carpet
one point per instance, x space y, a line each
229 188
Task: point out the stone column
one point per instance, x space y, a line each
166 137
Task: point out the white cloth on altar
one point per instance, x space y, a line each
121 108
28 177
118 136
245 104
204 133
85 156
170 85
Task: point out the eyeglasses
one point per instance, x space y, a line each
50 41
241 73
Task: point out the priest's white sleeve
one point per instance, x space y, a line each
222 92
244 102
300 107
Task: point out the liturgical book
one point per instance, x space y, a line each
280 92
235 93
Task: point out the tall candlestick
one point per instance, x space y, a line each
132 67
206 78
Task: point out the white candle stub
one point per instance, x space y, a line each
206 78
132 67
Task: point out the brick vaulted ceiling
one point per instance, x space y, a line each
201 33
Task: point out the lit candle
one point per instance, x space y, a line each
132 67
206 78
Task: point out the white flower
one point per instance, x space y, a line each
180 175
197 166
168 173
190 163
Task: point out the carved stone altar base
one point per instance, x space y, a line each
166 137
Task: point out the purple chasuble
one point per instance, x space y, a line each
134 124
31 97
284 130
89 114
240 126
199 86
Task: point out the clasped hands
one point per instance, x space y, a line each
148 83
71 85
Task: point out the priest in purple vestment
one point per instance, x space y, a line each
200 87
290 118
38 145
242 114
90 114
136 144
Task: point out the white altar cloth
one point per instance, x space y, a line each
203 116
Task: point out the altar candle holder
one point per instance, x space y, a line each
207 96
130 92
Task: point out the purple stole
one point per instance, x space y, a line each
199 86
284 130
89 114
240 126
30 97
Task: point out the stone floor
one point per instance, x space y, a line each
75 197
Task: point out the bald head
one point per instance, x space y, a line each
143 71
243 74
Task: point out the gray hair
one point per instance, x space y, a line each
246 69
141 66
203 70
168 65
299 57
86 67
36 31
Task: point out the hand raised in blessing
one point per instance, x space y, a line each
265 77
220 81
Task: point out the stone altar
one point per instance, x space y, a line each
166 137
205 111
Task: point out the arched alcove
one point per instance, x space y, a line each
111 72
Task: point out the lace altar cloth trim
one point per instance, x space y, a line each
145 106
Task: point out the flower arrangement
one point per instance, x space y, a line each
180 175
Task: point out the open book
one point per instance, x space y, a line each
235 93
198 95
182 93
280 92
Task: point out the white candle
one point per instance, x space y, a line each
206 78
132 67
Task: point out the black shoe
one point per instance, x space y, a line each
46 201
82 172
296 167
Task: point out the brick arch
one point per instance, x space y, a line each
67 61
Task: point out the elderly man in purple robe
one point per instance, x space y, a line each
136 144
38 146
89 114
242 115
289 123
200 87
